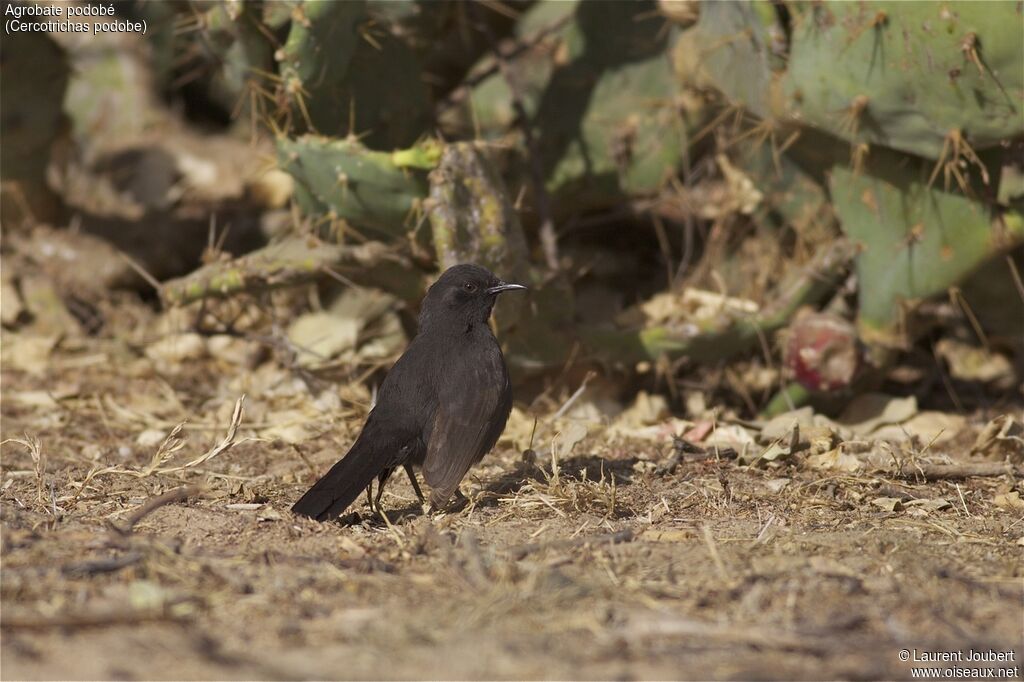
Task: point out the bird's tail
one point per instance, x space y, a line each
346 480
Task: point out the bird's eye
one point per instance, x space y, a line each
469 286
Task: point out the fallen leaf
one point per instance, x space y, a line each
150 438
1010 500
1001 438
774 452
28 352
360 324
699 431
11 309
972 363
269 514
869 411
39 399
568 437
836 459
929 427
320 336
176 349
730 435
777 484
934 504
644 411
781 425
668 535
232 349
891 504
145 595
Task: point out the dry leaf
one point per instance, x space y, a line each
781 425
668 535
646 410
869 411
971 363
568 437
37 399
28 353
836 459
935 504
1010 500
730 435
1001 438
173 351
891 504
929 427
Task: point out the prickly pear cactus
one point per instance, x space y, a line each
319 49
607 123
913 76
903 108
251 55
35 76
909 75
738 45
604 113
917 238
343 180
344 75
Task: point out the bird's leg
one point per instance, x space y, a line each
412 479
369 495
382 478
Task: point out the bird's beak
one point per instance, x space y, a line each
505 286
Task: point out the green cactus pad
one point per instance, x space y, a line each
917 240
737 44
607 121
35 75
342 179
907 74
346 75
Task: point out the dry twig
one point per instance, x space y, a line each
152 505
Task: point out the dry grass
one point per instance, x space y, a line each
146 529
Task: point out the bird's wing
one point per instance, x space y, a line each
470 417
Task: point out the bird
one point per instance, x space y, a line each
442 406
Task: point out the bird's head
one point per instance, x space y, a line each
463 293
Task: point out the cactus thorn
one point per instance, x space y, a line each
365 32
956 156
969 46
849 121
859 156
879 21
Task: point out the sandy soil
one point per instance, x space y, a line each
611 569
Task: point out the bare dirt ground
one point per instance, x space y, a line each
606 567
